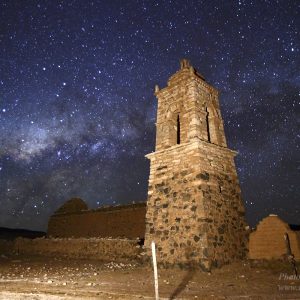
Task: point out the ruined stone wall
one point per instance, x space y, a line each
123 221
267 241
93 248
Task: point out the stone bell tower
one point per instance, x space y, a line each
195 213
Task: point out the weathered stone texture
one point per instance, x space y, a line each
120 221
267 241
92 248
194 211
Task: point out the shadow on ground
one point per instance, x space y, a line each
185 280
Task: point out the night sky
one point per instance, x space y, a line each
77 110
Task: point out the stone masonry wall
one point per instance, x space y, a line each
121 221
267 241
93 248
196 103
194 207
194 211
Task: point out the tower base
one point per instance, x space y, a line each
195 213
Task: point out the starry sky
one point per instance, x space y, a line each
77 109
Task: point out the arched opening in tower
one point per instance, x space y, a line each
207 125
178 130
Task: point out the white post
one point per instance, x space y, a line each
155 270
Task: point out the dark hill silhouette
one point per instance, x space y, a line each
11 233
295 227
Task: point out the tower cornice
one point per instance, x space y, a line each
185 73
196 143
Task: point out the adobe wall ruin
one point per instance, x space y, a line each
267 241
74 220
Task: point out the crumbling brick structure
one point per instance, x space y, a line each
268 242
195 212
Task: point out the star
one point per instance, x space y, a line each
78 114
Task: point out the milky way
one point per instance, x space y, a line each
77 110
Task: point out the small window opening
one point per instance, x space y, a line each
178 130
207 126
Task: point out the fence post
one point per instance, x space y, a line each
155 270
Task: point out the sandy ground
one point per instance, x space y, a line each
48 278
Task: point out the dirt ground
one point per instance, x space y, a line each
49 278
